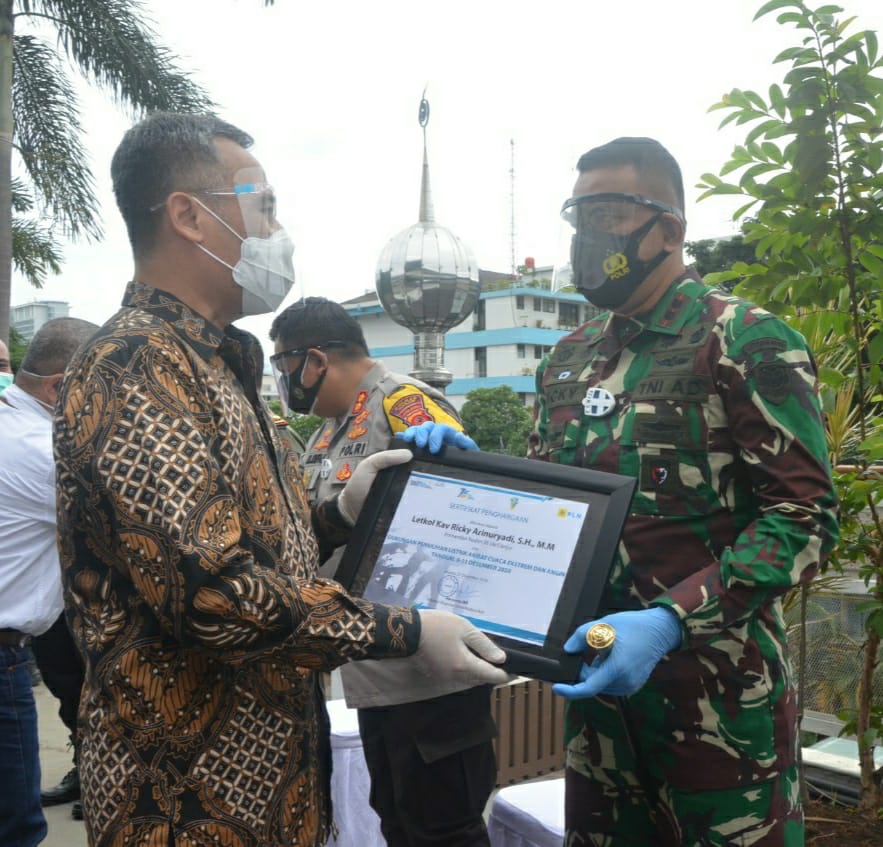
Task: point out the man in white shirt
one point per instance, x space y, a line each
30 576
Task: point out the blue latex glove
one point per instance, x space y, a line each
642 639
437 435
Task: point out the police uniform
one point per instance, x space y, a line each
711 404
428 744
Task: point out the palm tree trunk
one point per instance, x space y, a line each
6 29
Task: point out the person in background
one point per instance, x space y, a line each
686 733
189 551
428 742
30 579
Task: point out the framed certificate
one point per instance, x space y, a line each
520 548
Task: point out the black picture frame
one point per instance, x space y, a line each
608 495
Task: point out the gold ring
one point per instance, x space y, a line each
600 638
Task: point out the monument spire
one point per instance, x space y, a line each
427 213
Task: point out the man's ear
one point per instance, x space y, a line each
318 356
186 217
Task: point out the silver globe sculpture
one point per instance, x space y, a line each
427 281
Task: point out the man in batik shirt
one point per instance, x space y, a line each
686 732
188 548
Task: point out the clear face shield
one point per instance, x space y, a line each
287 369
265 269
256 200
598 245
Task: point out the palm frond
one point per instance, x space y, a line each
48 137
35 251
114 46
22 198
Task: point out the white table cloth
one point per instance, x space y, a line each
528 815
357 823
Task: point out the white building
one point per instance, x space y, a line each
29 317
515 324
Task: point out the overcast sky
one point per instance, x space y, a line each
330 91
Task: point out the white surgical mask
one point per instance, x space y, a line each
265 270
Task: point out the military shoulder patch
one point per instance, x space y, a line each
773 381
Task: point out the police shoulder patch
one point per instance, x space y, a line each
411 409
408 406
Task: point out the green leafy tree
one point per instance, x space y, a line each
53 196
17 348
713 255
305 425
497 420
810 172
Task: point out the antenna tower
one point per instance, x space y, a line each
513 266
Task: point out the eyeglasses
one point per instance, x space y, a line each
299 352
263 189
607 209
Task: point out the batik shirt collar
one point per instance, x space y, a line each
192 328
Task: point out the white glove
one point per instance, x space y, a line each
352 498
451 648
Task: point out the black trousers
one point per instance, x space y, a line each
432 768
62 670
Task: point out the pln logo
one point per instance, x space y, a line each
464 494
564 513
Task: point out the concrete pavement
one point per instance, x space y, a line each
55 762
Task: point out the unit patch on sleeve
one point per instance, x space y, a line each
411 409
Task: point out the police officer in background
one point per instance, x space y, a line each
686 732
428 744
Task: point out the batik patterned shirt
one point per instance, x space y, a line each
711 404
189 559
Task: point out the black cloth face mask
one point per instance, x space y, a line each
292 393
606 267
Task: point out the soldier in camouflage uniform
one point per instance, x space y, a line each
428 742
686 733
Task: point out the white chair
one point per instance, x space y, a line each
357 823
528 815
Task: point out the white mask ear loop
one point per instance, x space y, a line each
224 223
219 219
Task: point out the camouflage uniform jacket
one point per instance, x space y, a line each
189 564
718 418
385 403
